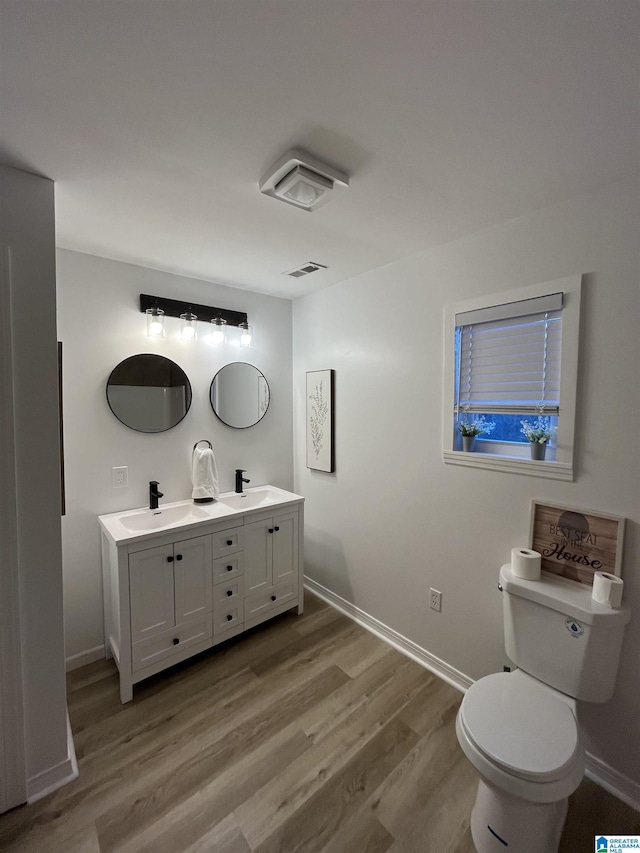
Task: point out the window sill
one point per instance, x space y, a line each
510 465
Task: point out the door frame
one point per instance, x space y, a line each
13 775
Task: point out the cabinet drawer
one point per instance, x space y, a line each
227 568
230 617
228 594
228 541
255 605
154 649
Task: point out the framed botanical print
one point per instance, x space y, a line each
320 421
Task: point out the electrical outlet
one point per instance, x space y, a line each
435 599
120 477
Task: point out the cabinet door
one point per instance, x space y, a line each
285 547
257 556
193 566
151 592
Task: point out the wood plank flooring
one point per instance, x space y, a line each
306 735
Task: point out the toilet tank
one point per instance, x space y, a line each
556 632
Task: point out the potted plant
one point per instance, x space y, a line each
469 429
538 435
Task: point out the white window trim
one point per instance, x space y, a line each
562 467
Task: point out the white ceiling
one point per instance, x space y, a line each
157 118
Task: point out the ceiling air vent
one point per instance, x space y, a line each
305 269
300 179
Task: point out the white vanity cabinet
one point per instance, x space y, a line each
169 585
170 599
171 593
271 566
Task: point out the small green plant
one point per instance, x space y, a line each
478 426
540 431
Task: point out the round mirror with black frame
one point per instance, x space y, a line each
239 395
149 393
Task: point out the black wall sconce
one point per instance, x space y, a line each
157 307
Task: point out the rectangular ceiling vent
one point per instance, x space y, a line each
305 269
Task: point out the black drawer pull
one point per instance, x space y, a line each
229 592
176 640
178 556
273 598
229 568
276 528
229 541
229 618
271 530
169 559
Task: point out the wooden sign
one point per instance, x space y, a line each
575 543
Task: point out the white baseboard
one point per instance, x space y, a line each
402 644
90 656
602 774
55 777
613 781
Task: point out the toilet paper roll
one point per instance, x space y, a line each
525 564
607 589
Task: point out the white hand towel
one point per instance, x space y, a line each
204 474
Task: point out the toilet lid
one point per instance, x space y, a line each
521 726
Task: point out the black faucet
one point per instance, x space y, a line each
154 494
240 480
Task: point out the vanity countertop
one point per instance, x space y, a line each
134 524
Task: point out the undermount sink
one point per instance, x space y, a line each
251 499
155 519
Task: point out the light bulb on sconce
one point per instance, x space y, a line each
188 323
218 331
246 335
155 322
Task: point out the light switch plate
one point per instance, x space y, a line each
120 477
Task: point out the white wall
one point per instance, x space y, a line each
394 520
100 324
27 226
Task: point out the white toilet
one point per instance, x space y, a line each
519 728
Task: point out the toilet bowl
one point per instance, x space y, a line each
519 729
523 739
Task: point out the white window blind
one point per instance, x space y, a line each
509 358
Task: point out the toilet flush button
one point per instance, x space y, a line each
574 627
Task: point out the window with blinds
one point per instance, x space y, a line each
511 357
508 358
